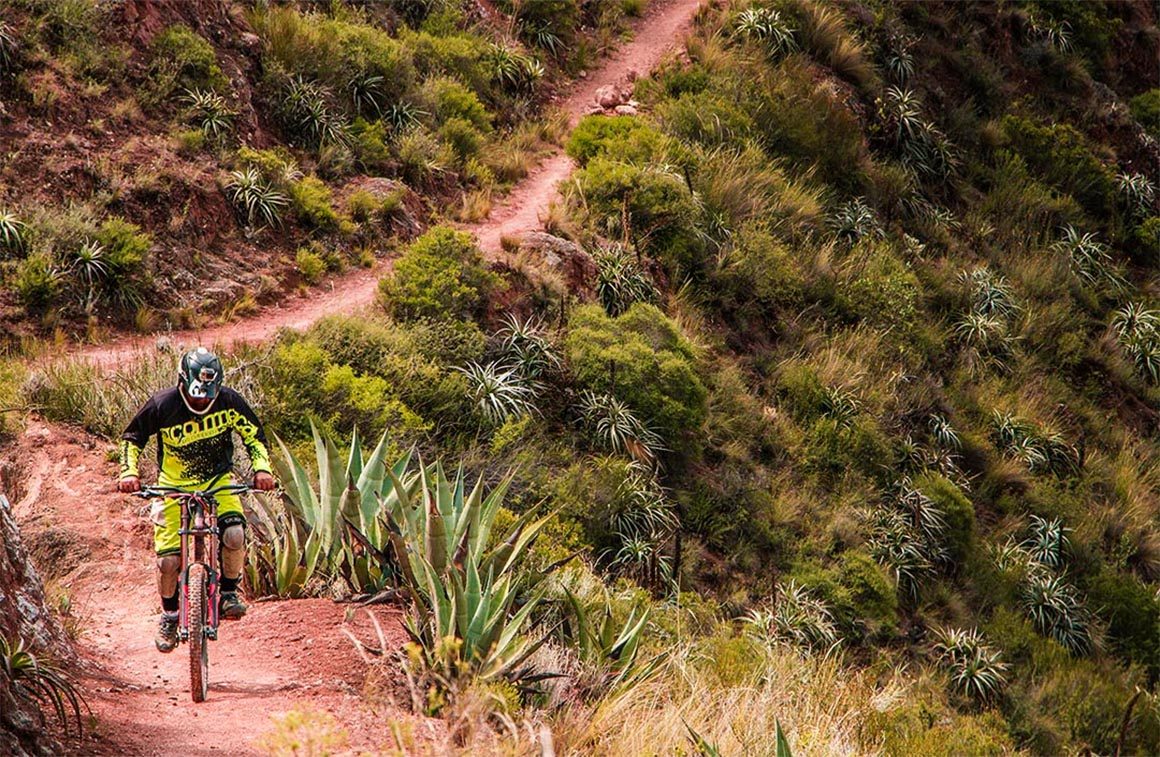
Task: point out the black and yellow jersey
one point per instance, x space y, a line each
192 449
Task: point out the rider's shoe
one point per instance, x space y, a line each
166 639
232 605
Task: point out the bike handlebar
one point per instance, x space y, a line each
164 491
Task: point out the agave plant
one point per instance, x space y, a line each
513 69
7 47
328 528
1133 319
900 65
1056 610
304 109
841 405
615 427
798 619
90 266
525 345
902 110
620 279
765 25
13 232
991 294
1055 35
403 115
984 332
976 669
1089 258
1137 331
607 650
1047 542
39 683
540 34
366 93
471 613
208 110
944 433
255 200
498 390
900 548
1137 191
854 221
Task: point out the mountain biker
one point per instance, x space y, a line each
195 450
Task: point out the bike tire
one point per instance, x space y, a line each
198 643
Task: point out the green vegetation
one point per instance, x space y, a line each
843 417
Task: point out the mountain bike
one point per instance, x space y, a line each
200 576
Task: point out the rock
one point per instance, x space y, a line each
561 259
24 615
609 96
625 110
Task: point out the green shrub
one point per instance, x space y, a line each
462 137
310 265
707 117
654 200
450 99
461 56
311 200
1133 615
1146 109
879 289
759 275
958 512
1061 155
441 275
642 359
625 138
864 600
184 60
36 282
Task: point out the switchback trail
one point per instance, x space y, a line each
656 33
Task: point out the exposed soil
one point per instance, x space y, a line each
521 210
283 655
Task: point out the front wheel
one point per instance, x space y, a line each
198 643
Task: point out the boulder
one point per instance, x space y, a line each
561 258
609 96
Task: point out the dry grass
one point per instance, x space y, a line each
476 205
821 704
826 36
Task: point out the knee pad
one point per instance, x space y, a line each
234 537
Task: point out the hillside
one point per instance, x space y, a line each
812 387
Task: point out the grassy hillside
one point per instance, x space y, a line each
852 392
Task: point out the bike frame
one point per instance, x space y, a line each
198 525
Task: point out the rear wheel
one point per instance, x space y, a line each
198 643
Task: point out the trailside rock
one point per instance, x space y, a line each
561 258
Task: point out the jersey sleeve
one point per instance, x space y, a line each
248 426
136 436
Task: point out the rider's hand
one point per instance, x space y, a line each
264 481
129 484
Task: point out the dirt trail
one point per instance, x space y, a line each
95 545
659 31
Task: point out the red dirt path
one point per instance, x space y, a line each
659 31
283 655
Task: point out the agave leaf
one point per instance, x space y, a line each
783 749
626 644
515 545
296 483
435 527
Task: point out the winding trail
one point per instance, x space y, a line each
95 544
656 33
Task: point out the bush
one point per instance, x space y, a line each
641 358
460 55
759 275
311 200
462 137
708 117
1146 109
1133 615
36 282
1060 154
958 512
310 265
863 598
441 275
880 289
184 60
625 138
450 99
655 201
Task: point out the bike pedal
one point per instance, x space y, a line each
211 634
